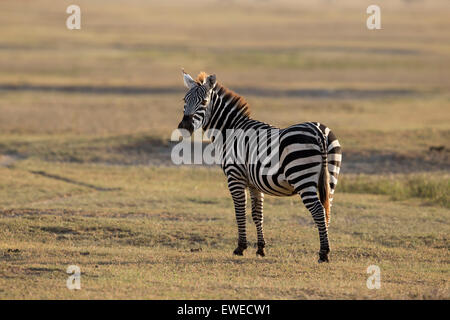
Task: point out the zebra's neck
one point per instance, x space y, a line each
227 110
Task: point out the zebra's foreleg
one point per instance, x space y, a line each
257 215
313 204
239 195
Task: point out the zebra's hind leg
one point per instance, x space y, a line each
257 215
313 204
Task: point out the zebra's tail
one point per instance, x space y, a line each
324 189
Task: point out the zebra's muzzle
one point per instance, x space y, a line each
187 123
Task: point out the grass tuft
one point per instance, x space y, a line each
433 188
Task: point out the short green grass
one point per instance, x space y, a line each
433 188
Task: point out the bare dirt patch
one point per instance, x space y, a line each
7 160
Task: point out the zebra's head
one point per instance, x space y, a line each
196 100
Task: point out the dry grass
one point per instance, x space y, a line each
79 110
137 241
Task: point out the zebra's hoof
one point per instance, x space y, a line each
323 257
260 252
238 251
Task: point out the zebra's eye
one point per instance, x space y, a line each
204 102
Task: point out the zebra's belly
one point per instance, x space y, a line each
275 185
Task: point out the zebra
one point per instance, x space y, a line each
309 158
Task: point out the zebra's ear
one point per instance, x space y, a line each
210 81
188 81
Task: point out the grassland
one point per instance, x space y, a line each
136 233
85 171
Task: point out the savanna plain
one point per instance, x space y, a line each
86 177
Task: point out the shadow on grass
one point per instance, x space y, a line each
343 93
79 183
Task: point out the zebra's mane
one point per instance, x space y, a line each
201 78
235 100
